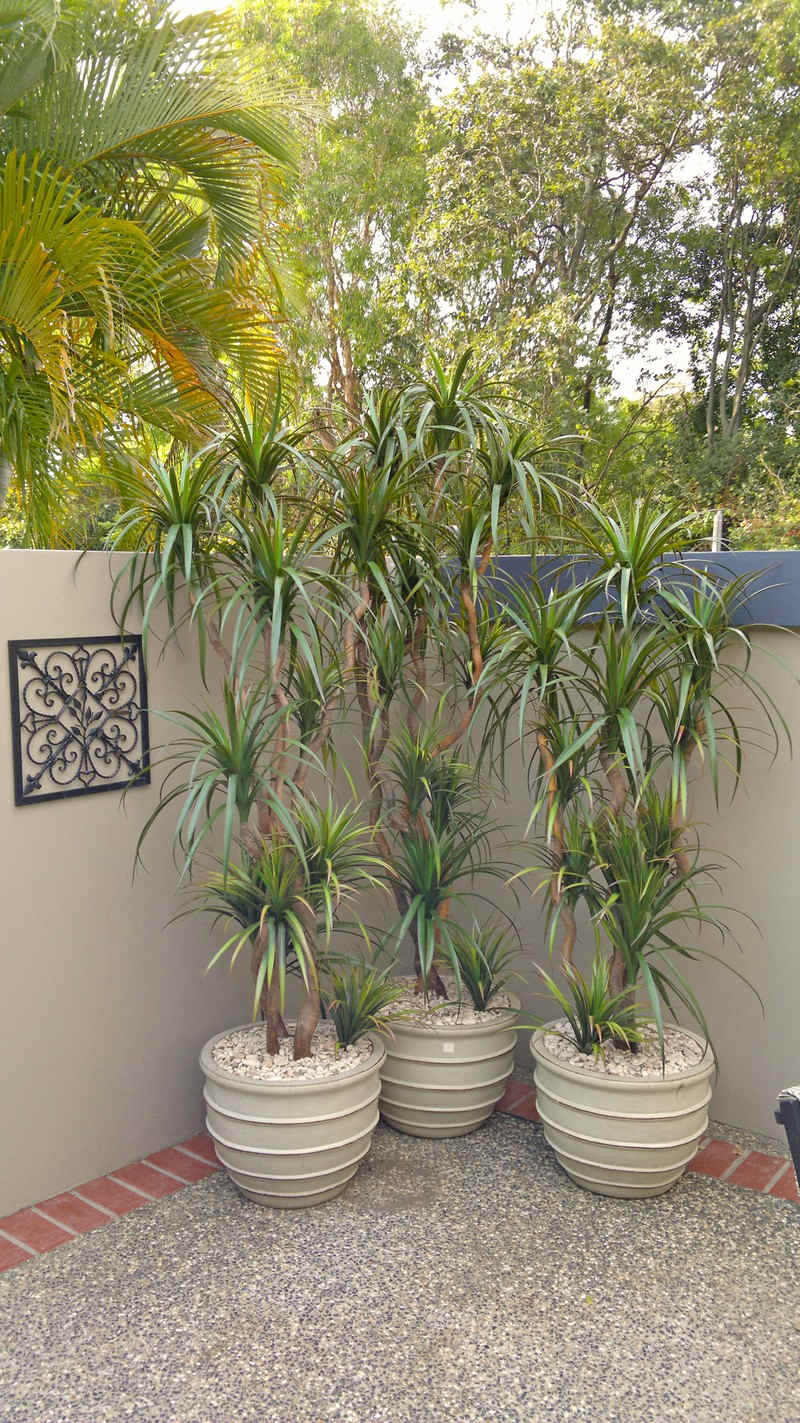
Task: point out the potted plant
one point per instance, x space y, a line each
327 572
451 1053
423 490
621 680
224 542
292 1106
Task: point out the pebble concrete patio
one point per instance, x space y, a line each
462 1281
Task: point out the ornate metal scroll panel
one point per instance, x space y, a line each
79 716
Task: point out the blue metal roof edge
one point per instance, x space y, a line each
774 596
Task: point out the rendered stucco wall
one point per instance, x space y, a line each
103 1006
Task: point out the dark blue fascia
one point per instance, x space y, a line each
773 598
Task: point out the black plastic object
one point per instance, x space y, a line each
788 1115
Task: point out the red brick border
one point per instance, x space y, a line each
37 1229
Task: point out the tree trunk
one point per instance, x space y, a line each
351 386
617 978
270 1007
570 935
6 475
435 982
617 781
307 1020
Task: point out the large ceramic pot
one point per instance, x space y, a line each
617 1136
292 1143
445 1079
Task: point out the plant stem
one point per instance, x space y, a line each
476 654
617 781
307 1019
556 830
678 821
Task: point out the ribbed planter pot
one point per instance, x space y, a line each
445 1079
292 1143
617 1136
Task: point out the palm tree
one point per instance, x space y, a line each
140 264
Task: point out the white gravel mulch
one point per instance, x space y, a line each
446 1011
242 1052
681 1053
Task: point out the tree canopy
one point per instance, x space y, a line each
605 209
615 190
141 183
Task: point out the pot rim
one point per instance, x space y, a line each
702 1069
498 1017
280 1085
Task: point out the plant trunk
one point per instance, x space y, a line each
617 781
618 982
270 1007
436 984
557 831
678 823
476 654
307 1020
417 650
570 935
617 978
270 1001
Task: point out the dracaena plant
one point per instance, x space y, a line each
285 897
594 1014
363 998
485 954
443 839
420 494
328 582
620 680
228 544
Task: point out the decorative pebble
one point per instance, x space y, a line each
681 1053
446 1011
243 1052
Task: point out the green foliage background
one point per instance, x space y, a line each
569 204
615 190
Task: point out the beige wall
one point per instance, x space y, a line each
104 1007
760 831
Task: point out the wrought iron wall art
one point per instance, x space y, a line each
79 716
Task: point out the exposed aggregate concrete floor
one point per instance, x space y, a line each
463 1281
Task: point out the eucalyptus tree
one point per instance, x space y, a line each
550 166
745 260
360 68
140 185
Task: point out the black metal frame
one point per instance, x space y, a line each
75 699
788 1116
